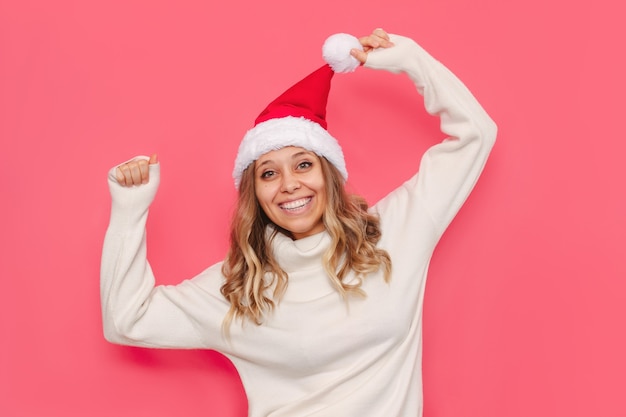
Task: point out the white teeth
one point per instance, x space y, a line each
292 205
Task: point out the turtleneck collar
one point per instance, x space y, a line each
299 255
302 261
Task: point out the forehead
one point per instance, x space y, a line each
288 152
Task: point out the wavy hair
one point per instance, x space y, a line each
251 271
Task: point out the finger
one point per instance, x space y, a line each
154 159
119 176
135 172
144 171
380 32
374 41
369 42
382 40
361 56
125 175
382 37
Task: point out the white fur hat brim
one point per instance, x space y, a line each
278 133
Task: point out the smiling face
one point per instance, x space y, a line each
290 187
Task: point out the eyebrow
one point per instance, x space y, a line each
294 156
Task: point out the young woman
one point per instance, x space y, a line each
318 303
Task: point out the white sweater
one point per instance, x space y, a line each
315 355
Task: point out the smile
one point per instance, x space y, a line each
296 204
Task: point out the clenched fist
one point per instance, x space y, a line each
135 172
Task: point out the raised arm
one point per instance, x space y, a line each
134 311
448 170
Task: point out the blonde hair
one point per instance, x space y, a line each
354 234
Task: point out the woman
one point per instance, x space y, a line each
319 301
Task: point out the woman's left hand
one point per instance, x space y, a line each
377 39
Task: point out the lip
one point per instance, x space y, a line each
296 206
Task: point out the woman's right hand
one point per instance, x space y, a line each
135 172
377 39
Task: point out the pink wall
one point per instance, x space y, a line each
526 299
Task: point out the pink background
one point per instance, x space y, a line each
526 301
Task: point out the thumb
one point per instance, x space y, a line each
361 56
153 159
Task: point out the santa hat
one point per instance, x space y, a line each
298 116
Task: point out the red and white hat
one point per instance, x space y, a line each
298 116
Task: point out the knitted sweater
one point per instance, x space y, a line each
315 354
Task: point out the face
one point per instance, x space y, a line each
289 186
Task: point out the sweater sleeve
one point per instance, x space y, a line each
134 311
448 170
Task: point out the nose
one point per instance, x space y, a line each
290 183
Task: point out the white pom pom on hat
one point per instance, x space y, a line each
336 52
298 116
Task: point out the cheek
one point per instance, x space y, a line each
320 186
316 180
264 193
323 198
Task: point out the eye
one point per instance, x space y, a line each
268 174
304 164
